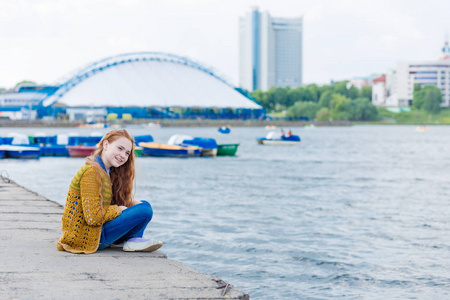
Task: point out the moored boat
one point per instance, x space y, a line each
208 145
165 150
227 149
225 129
50 145
273 139
13 151
80 150
138 151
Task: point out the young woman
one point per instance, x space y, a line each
100 210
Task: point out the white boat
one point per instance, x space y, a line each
12 151
274 138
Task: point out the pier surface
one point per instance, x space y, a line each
32 268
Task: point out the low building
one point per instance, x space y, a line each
398 87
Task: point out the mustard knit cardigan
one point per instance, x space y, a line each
84 214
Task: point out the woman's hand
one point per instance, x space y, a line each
122 207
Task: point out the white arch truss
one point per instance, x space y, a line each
77 78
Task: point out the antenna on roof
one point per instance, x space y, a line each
446 48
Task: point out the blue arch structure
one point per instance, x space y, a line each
110 62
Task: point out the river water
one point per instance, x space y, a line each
357 212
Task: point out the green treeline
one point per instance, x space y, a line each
337 101
340 101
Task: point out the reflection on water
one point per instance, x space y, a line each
352 212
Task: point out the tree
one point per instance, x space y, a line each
25 82
325 99
417 87
428 98
265 99
295 95
363 110
314 90
340 88
352 92
303 109
279 95
309 96
323 114
340 107
366 92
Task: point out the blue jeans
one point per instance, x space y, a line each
130 224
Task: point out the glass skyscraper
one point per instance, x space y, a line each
270 51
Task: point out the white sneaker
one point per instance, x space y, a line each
142 245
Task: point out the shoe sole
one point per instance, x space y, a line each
150 248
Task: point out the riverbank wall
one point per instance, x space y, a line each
32 268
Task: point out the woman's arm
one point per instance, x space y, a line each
94 214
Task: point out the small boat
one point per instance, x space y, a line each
138 151
91 140
141 139
225 129
82 146
153 125
50 145
80 150
273 138
208 146
227 149
165 150
422 128
12 151
270 127
94 125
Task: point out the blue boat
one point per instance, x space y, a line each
4 141
84 140
224 129
273 138
165 150
142 139
50 145
208 145
13 151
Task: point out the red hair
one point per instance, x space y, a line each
122 178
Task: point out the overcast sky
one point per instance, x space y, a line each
43 40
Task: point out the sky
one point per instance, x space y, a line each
43 40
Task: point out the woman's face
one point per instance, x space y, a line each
116 153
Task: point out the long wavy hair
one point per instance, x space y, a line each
122 178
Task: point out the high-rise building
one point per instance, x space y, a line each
270 51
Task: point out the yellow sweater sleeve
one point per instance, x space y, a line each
94 213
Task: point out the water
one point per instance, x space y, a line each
354 212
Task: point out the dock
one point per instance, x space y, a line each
32 268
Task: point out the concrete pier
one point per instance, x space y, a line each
32 268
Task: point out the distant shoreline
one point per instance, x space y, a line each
151 123
176 123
